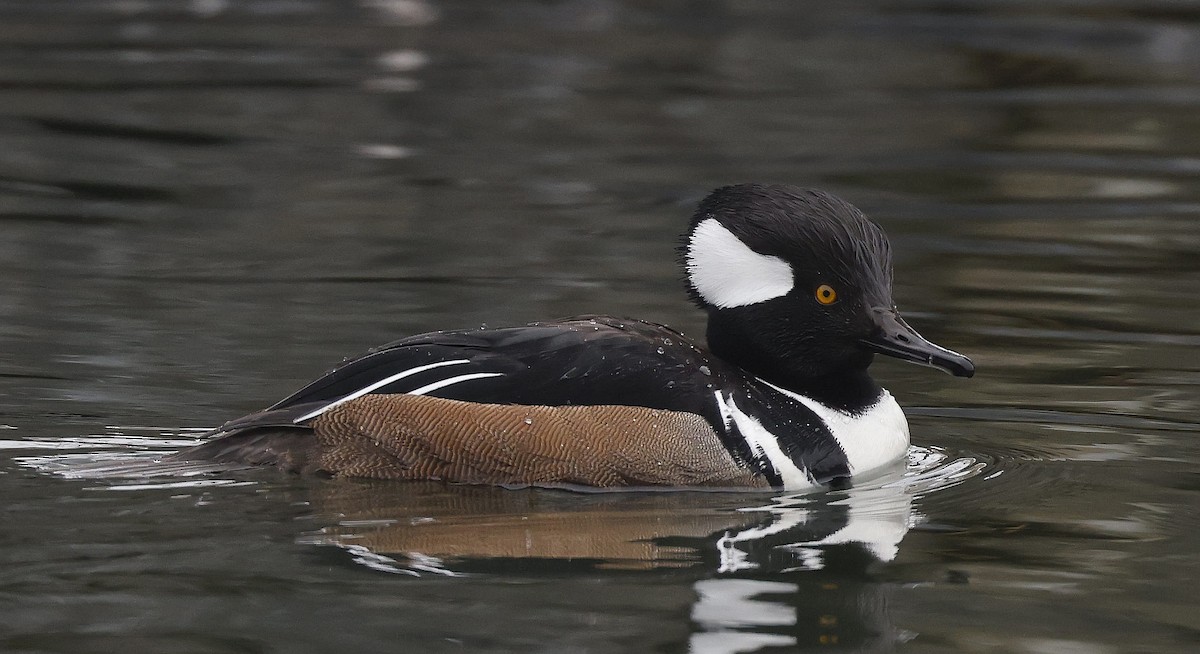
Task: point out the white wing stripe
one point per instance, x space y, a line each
453 380
380 384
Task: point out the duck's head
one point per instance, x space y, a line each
798 286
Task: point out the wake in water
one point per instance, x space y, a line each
125 458
744 531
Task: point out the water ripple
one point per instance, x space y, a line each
126 458
417 529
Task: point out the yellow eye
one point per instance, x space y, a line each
826 294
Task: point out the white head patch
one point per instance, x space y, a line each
727 273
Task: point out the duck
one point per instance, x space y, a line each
797 287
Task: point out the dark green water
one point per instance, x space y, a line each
205 204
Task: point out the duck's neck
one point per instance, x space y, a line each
851 392
847 388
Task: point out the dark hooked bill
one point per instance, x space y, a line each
895 338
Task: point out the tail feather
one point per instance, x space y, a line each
266 438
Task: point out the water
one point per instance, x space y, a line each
205 204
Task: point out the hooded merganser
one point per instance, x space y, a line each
798 289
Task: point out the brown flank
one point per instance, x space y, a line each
421 437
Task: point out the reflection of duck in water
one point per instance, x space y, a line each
470 528
749 571
797 286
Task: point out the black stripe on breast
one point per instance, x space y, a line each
800 433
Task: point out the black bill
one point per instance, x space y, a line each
895 338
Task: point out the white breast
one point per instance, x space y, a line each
872 439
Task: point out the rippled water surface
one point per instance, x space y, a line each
204 204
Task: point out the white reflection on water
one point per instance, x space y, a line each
725 606
875 515
734 614
413 566
124 458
